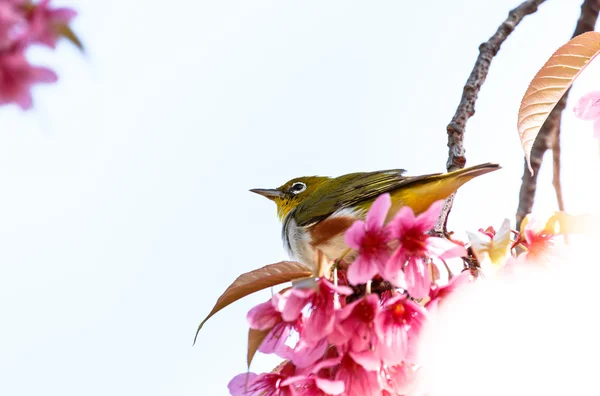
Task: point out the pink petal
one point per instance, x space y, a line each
588 106
237 385
292 302
306 354
275 341
43 74
368 359
263 316
444 249
405 219
362 270
418 279
355 234
393 270
427 220
378 211
330 387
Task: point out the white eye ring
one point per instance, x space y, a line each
297 188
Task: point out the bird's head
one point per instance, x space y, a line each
292 193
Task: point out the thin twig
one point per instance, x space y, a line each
556 170
466 108
549 136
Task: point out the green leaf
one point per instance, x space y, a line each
253 281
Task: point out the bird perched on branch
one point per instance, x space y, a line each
316 210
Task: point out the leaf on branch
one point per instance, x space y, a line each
550 84
491 252
253 281
255 338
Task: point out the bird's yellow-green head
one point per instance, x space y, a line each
292 193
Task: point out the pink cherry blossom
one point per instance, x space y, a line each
320 304
45 22
265 317
355 330
540 243
12 25
266 384
370 238
397 326
414 245
588 108
357 380
439 293
17 76
397 380
315 383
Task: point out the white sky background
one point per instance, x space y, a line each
125 209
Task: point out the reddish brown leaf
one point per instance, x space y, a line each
253 281
550 84
255 338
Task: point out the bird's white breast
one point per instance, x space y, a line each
297 240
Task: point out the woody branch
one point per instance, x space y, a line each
466 107
549 135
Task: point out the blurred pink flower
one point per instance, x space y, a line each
540 242
314 384
588 108
321 303
397 380
17 76
439 293
12 25
415 244
357 380
265 317
355 330
397 326
45 22
370 238
266 384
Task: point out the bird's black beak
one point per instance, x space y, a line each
267 193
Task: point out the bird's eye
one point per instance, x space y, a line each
297 188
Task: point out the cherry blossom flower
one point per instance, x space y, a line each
357 380
415 245
316 384
355 330
12 25
46 22
440 293
540 242
17 76
265 317
266 384
321 304
370 238
397 326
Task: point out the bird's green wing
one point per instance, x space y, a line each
348 191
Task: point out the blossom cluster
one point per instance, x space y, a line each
22 24
357 334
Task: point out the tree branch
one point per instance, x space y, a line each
466 108
549 136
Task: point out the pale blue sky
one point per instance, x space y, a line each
125 209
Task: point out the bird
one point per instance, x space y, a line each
315 211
